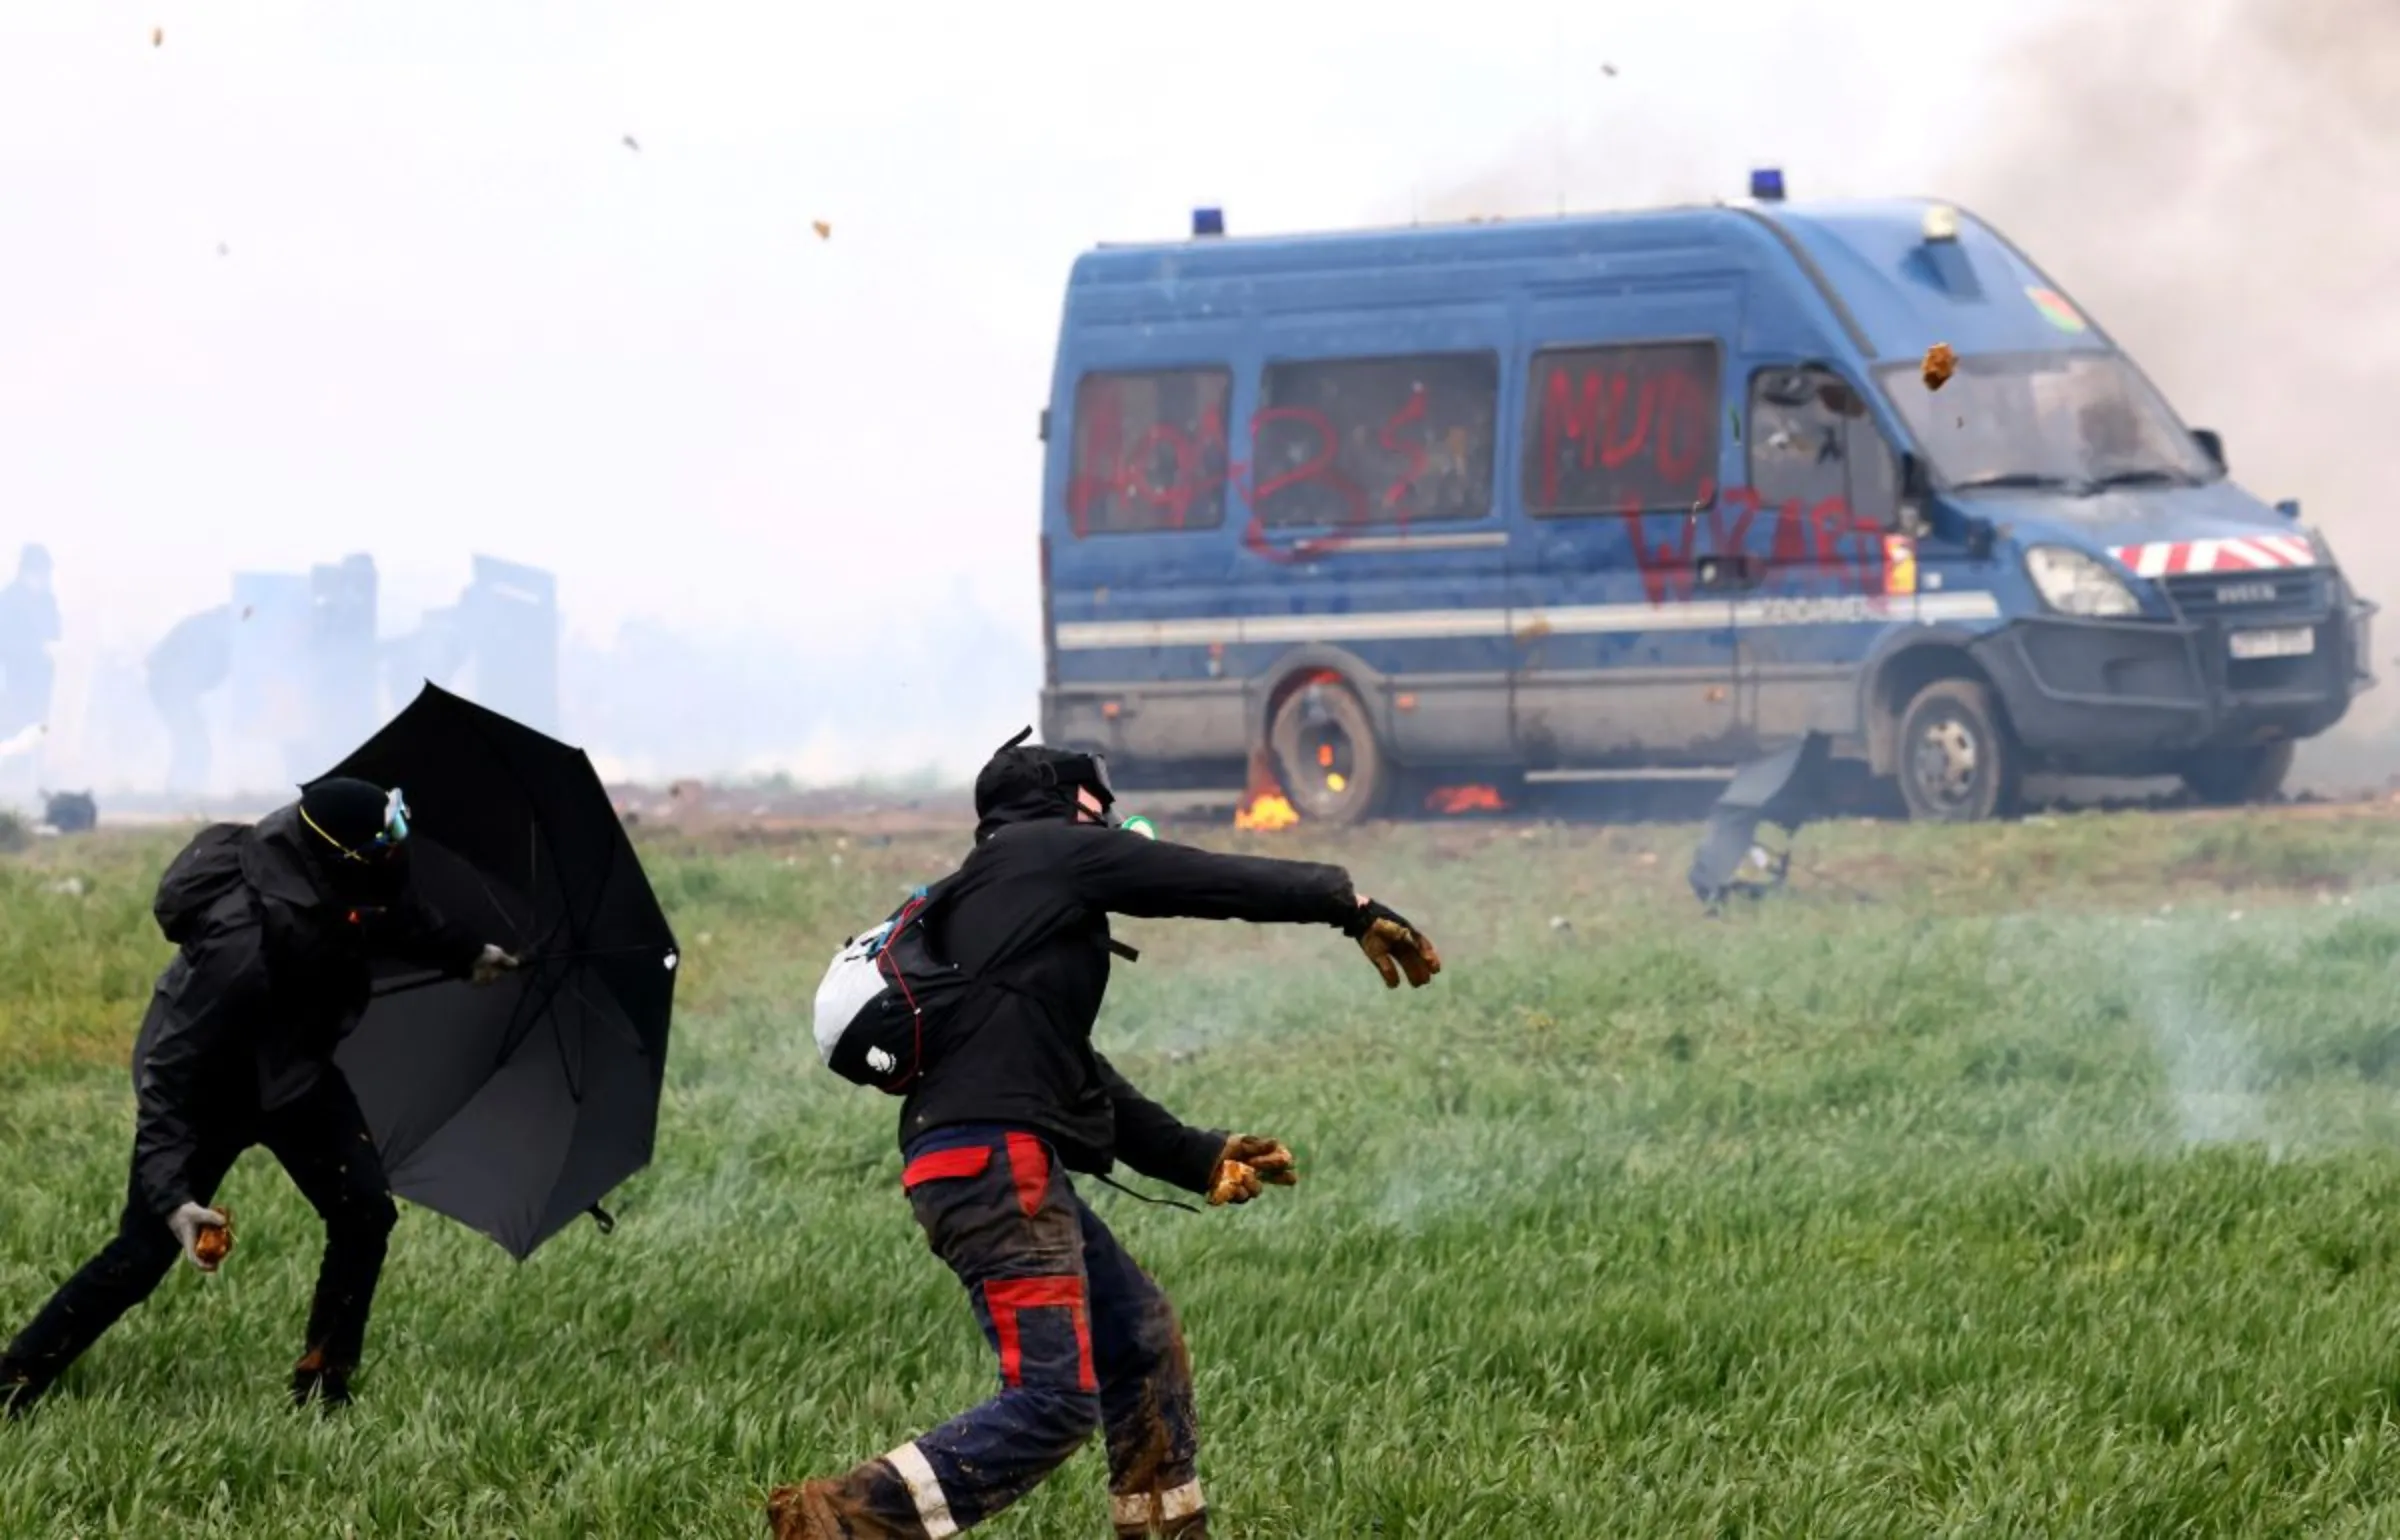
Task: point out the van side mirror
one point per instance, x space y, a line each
2289 508
2212 444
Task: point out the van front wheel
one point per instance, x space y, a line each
1956 761
1326 755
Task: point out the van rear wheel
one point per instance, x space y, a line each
1957 763
1326 755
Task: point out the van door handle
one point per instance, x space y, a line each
1730 571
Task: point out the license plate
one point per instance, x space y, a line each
2291 642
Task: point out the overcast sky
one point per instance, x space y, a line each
453 308
305 278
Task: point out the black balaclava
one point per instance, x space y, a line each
341 822
1028 784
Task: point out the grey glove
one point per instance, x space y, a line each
493 963
187 1222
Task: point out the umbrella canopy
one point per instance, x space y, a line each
1785 789
517 1106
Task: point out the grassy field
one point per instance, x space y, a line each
2026 1180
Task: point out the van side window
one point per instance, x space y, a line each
1375 440
1627 429
1149 452
1812 441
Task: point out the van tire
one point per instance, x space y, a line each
1953 755
1327 758
2233 777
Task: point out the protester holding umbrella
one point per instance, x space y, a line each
280 926
514 1110
1012 1096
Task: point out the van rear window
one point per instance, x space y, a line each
1375 440
1622 429
1149 451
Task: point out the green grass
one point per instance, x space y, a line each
2048 1188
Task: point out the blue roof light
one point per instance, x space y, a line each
1208 222
1766 184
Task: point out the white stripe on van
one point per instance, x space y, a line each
1485 625
1384 545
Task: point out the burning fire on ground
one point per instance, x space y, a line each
1268 812
1466 799
1264 807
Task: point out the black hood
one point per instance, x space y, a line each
1026 783
1020 800
335 828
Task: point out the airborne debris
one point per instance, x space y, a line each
158 35
824 229
632 144
1608 69
1940 364
1786 789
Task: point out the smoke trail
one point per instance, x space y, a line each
2211 1065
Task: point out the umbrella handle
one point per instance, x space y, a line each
408 983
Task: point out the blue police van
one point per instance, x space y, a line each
1650 493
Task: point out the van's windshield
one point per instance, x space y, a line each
2078 422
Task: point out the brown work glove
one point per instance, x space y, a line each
1250 1162
1393 945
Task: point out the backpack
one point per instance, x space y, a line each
203 872
881 993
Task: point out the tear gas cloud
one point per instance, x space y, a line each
2211 182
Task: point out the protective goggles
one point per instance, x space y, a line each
1088 770
395 822
388 839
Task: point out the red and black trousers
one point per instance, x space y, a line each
1086 1341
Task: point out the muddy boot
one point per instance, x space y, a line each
1174 1514
1138 1519
800 1513
313 1379
828 1510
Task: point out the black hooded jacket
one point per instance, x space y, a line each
1027 915
274 970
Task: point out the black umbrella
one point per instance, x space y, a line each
1785 789
517 1106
